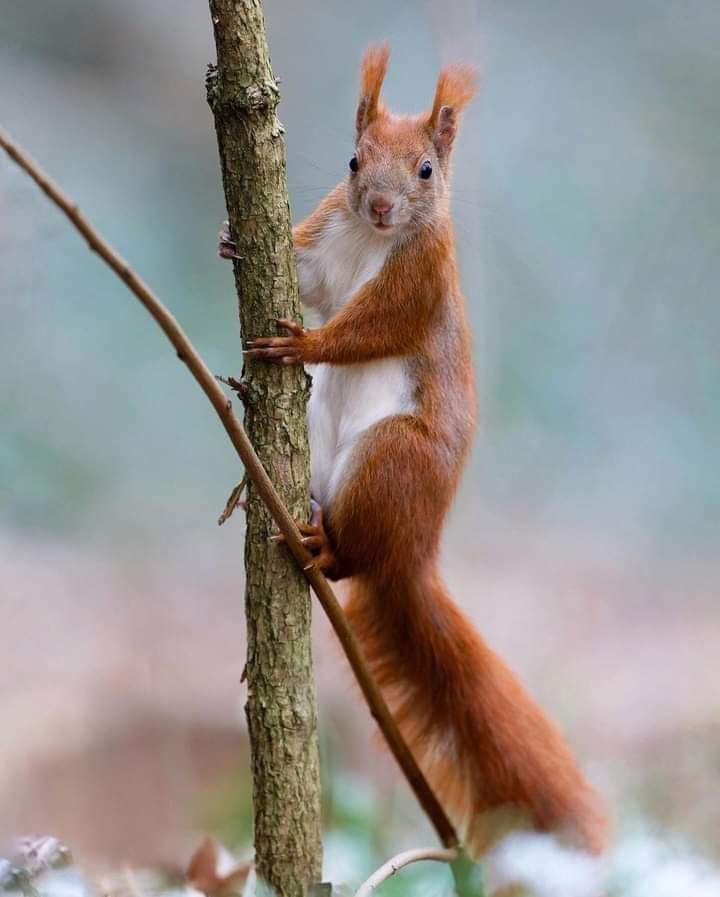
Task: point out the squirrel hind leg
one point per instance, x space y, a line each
384 519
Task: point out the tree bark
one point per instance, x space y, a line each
281 707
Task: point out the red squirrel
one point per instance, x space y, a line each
391 418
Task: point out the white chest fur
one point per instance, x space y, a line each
346 399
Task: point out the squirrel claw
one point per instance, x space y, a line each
279 349
314 539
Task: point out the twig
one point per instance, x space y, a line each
393 865
233 501
256 472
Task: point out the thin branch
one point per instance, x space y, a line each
256 472
393 865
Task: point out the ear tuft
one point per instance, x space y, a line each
456 86
372 74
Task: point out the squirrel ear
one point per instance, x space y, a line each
372 75
456 86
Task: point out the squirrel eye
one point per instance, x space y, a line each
353 163
425 170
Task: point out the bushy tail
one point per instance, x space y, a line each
493 757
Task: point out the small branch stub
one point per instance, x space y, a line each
234 501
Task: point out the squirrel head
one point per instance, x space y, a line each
399 174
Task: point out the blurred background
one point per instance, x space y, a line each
584 540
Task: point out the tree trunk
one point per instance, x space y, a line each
281 707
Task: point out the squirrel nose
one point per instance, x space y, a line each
380 205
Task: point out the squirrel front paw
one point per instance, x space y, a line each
280 349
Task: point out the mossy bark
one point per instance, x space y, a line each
281 707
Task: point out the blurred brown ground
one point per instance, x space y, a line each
116 732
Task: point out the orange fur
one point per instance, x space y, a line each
391 315
494 757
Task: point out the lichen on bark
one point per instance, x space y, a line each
281 707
